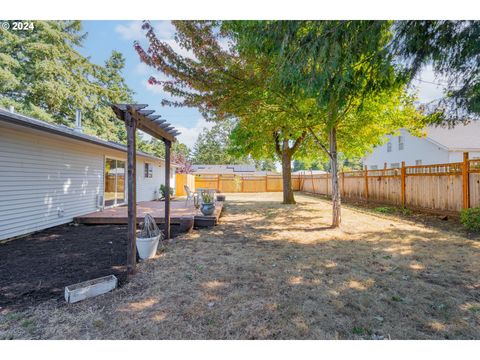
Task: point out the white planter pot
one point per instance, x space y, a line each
147 247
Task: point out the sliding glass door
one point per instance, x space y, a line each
114 193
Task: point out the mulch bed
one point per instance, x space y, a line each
37 268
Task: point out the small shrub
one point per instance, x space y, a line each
470 218
393 210
396 298
385 210
358 330
163 191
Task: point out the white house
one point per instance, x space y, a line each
50 174
440 145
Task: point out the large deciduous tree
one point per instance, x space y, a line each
346 68
224 85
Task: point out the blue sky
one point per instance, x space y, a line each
106 35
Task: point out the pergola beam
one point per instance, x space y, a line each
146 112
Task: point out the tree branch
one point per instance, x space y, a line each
298 142
277 145
319 143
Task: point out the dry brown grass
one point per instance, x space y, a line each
275 271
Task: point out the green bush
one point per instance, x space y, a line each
385 210
393 210
470 218
163 191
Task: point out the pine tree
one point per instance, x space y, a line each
43 75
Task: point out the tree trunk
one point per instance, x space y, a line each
288 197
336 201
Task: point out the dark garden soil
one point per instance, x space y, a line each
38 267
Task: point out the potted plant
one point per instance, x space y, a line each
148 238
208 206
163 192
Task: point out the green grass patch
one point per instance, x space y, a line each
359 330
393 210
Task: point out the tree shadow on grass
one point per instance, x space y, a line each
260 277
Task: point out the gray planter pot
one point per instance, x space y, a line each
207 208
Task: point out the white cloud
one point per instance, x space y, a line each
179 50
427 89
142 69
154 88
164 29
131 31
188 136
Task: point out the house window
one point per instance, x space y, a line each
373 167
401 144
389 147
395 165
148 172
418 162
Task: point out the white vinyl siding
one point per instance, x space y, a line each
146 186
41 173
40 176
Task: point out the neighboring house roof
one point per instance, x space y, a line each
223 169
242 169
62 130
309 172
460 138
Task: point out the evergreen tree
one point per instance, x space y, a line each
44 76
453 49
213 146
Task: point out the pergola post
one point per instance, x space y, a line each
168 145
131 126
136 117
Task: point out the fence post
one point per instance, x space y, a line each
343 183
266 183
466 181
366 182
403 175
241 183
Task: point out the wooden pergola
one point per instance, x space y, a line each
136 117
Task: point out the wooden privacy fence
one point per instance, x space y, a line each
230 183
181 180
439 187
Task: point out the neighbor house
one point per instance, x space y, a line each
241 170
50 174
440 145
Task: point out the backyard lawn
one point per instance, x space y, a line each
270 271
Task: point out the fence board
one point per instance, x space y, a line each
385 189
474 189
